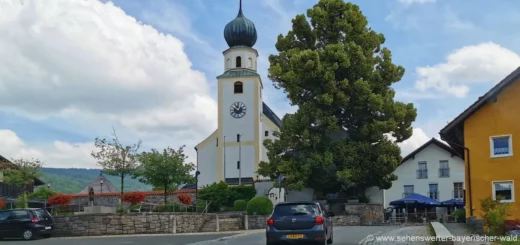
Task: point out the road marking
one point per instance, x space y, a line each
365 241
227 237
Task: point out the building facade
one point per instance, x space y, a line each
434 170
13 191
486 134
234 150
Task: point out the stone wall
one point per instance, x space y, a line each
362 214
113 200
257 221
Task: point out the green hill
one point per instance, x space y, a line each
73 180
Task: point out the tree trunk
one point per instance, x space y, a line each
122 188
26 204
165 193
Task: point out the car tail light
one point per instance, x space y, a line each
35 220
319 220
270 222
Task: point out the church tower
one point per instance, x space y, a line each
240 105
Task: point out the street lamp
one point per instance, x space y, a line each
197 185
101 182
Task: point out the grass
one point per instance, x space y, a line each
431 232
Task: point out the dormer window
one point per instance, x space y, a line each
239 61
239 87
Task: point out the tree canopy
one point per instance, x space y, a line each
335 69
164 170
23 172
116 158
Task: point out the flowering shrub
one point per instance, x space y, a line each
184 198
60 199
134 197
2 203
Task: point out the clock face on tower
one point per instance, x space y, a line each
238 110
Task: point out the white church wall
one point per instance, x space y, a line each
248 57
207 162
244 126
247 160
270 127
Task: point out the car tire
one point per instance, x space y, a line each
330 240
28 235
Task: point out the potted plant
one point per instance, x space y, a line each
353 199
459 215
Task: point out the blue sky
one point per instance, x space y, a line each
453 52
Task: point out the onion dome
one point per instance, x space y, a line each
240 31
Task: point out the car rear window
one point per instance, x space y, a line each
296 209
41 213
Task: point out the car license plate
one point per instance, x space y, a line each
48 227
295 236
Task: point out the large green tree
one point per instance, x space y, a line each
23 172
334 68
164 170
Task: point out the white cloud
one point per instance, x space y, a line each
469 65
88 61
58 154
418 138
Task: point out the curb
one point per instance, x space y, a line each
240 233
365 240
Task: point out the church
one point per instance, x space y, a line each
234 150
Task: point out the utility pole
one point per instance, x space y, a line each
239 159
224 158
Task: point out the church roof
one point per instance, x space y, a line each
107 186
271 115
240 31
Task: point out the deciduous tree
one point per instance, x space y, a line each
116 158
23 172
334 67
164 169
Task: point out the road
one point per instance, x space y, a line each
346 235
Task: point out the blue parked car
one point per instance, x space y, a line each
299 223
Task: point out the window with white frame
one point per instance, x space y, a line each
501 146
458 190
444 169
505 190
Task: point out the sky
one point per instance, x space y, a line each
74 70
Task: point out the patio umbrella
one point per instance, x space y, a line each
453 202
416 199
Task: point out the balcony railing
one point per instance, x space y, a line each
458 194
433 195
422 173
444 172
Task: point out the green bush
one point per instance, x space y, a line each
20 202
259 206
41 193
459 215
240 205
223 196
495 215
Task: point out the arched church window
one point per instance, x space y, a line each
239 61
239 87
250 63
228 64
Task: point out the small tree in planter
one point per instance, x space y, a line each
184 199
59 200
134 198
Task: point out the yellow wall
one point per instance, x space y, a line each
496 118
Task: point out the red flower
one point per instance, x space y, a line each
134 197
60 199
184 198
2 203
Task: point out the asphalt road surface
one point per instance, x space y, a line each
345 235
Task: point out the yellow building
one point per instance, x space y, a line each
487 134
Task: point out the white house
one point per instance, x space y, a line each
434 170
236 147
